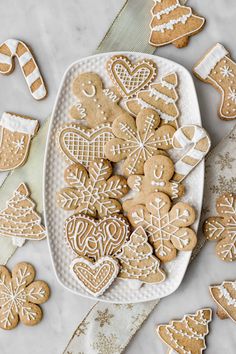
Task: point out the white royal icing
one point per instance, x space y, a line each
16 123
170 25
166 11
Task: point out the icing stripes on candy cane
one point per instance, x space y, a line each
15 48
197 141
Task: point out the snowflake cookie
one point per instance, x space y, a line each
158 171
137 141
225 297
20 296
165 225
222 228
187 336
94 191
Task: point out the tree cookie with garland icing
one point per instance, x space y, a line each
225 297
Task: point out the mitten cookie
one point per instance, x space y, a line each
187 336
94 191
20 296
130 78
217 69
137 259
166 225
96 104
222 228
158 171
225 297
138 140
173 23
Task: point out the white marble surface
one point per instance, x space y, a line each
61 32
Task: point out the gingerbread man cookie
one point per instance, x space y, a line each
96 104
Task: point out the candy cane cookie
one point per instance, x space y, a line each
15 48
196 141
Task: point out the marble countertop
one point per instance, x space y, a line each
61 32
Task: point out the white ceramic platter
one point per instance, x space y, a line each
120 291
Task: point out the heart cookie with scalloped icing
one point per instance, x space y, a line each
95 277
130 78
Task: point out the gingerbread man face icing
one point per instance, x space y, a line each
96 104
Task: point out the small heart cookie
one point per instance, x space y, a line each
130 78
95 277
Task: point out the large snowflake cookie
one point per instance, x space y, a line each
20 296
82 145
187 336
219 70
166 225
93 191
158 171
16 133
130 78
225 297
222 228
173 23
95 103
137 141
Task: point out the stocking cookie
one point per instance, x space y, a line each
14 48
187 336
173 23
95 277
19 220
217 69
16 134
166 225
20 296
81 145
222 228
96 104
95 239
137 141
158 171
137 260
130 78
94 191
161 96
225 297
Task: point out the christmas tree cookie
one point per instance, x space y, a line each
225 297
173 23
187 336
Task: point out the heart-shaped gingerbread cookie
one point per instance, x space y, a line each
81 145
95 277
96 238
130 78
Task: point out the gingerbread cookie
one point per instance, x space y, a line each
158 171
15 48
94 191
95 277
222 228
19 220
137 141
82 145
166 225
137 260
173 23
95 239
161 96
130 78
96 104
225 297
20 296
16 133
217 69
187 336
195 142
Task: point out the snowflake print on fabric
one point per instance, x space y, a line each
224 185
93 192
106 344
232 94
225 161
104 317
166 226
222 228
226 71
137 141
20 296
